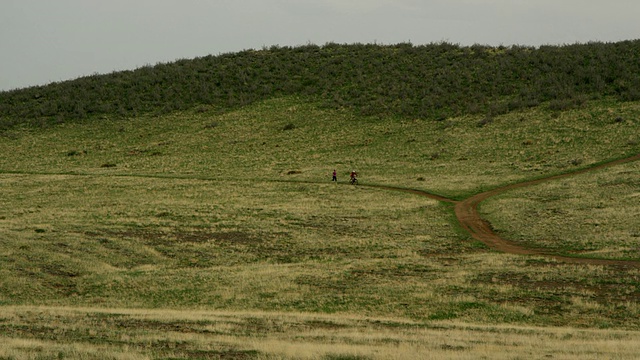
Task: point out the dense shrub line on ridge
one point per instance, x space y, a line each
432 81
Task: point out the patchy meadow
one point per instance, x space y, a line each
220 235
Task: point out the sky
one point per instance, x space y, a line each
44 41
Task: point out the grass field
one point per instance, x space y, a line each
220 236
266 141
591 215
89 333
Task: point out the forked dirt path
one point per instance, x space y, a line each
467 214
469 218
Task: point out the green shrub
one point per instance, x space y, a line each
433 81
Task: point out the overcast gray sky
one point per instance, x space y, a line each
54 40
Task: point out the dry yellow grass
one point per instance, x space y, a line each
271 335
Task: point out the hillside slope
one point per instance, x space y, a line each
433 81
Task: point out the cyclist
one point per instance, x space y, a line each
354 176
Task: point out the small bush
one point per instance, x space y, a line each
289 126
486 121
75 153
108 165
560 104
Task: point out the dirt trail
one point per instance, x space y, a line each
467 214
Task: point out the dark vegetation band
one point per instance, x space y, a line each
432 81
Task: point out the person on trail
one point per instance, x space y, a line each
335 178
354 176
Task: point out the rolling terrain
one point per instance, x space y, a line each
493 227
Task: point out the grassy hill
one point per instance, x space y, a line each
212 230
433 81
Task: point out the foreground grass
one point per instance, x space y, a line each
115 240
89 333
236 213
